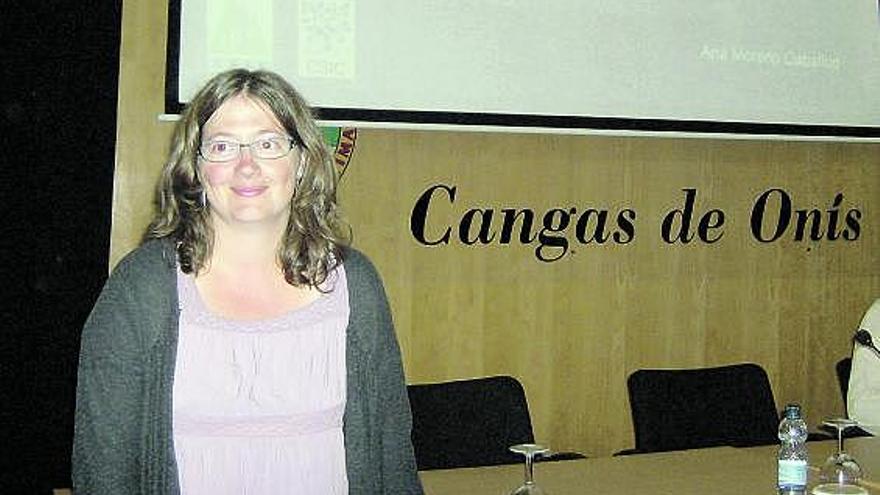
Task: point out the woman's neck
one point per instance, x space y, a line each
249 250
244 279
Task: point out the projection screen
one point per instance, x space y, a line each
789 67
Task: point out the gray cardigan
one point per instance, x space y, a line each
123 439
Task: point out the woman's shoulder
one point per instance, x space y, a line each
358 266
370 328
365 288
132 306
152 262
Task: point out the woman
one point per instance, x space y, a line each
242 348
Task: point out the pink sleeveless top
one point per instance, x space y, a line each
258 405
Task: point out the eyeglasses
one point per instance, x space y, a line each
266 148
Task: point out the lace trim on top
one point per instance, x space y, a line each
327 305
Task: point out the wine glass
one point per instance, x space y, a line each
841 473
530 451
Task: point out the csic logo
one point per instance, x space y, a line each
341 140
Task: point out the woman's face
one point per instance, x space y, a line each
247 190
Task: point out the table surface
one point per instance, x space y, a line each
719 471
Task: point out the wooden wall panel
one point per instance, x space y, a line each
141 138
573 329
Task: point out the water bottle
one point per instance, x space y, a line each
792 457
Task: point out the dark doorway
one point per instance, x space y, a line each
58 114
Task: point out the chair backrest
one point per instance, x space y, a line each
702 407
842 369
469 423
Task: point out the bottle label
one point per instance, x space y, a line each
792 473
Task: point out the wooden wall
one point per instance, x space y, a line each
574 328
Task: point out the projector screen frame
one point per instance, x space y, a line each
545 123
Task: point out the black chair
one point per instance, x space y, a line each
842 369
703 407
468 423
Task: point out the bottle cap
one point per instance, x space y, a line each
792 411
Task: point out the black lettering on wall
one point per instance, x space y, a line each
682 218
759 212
484 235
419 215
553 247
811 224
525 231
772 217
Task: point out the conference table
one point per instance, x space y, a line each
719 471
716 471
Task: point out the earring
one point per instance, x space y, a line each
204 199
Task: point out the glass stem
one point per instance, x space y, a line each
839 440
529 469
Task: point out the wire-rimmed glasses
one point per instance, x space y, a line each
267 147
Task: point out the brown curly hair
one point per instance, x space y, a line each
312 243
